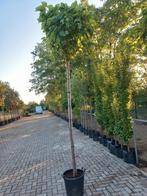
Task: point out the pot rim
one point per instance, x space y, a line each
73 178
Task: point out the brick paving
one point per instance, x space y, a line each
35 151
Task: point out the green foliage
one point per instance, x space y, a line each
141 96
114 82
107 50
67 26
43 104
46 72
9 98
122 93
30 107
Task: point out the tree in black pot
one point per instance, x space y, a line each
67 30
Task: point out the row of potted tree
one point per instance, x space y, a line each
112 143
6 118
10 103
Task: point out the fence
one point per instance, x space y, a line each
140 109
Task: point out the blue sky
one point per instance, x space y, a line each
19 33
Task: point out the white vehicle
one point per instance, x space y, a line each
38 109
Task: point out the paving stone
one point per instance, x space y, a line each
35 152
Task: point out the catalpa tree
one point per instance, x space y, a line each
67 29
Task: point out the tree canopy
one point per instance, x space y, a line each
9 98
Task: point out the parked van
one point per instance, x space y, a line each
38 109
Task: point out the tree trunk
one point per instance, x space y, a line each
91 118
68 70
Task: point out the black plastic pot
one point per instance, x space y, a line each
96 136
75 125
101 139
9 120
74 185
86 131
104 140
118 151
90 133
78 125
129 156
112 146
82 128
6 122
109 140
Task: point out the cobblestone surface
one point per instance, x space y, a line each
34 152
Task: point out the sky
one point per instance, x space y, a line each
19 33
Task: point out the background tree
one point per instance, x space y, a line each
9 98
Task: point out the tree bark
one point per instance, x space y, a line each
68 70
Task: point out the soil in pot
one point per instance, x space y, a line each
74 185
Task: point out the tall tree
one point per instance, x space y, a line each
66 27
9 98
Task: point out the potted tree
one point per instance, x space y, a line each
67 29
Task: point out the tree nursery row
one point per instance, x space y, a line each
93 59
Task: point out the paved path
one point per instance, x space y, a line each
35 151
